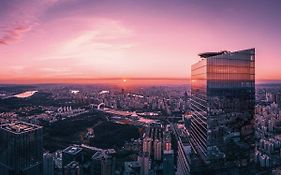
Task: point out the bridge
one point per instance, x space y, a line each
98 106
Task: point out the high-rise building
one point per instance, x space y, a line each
168 162
145 164
167 141
103 162
155 141
48 164
183 163
21 149
222 106
132 168
72 154
147 145
157 144
73 168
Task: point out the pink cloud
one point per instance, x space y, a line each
14 34
20 18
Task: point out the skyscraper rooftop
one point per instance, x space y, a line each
19 127
224 52
210 54
73 150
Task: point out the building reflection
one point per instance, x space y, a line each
222 103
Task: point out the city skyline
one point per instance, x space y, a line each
140 87
223 123
58 41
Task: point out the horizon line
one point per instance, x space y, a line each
114 80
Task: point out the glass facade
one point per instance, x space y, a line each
222 103
21 149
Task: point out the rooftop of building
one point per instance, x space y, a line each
154 132
100 155
211 54
19 127
132 164
131 167
168 151
103 154
72 150
72 165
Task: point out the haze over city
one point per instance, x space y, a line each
57 41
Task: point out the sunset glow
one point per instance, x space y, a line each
103 41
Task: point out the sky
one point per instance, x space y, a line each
110 40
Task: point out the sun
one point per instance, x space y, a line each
124 80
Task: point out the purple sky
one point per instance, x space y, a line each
53 40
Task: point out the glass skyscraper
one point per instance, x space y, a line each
222 105
21 149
